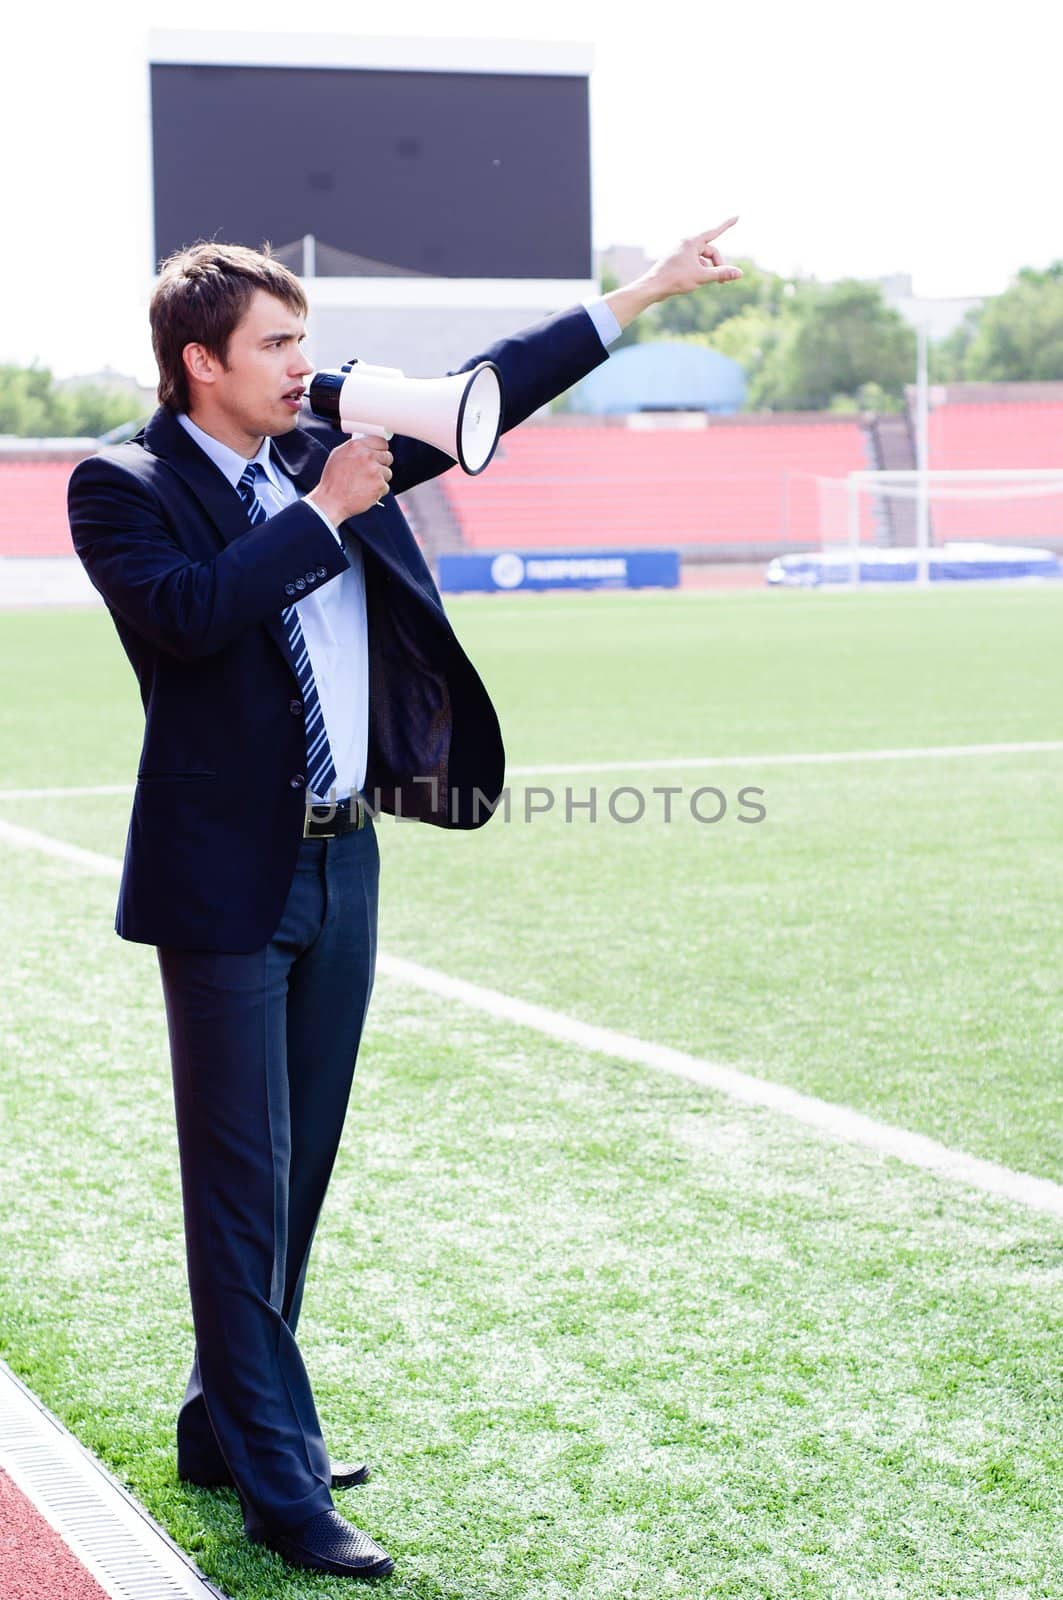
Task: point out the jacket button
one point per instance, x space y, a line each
300 583
310 577
295 707
322 572
289 588
297 782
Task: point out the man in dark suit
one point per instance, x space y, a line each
293 657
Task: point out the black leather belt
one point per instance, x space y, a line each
327 819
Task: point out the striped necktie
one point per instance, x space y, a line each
321 770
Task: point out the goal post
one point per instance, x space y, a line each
916 513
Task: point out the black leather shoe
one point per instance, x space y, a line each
328 1543
344 1476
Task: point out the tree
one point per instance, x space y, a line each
832 342
947 359
33 407
1018 335
750 339
709 307
804 346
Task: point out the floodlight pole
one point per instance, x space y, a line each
922 461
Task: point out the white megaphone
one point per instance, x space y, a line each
460 415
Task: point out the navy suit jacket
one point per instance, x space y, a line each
196 596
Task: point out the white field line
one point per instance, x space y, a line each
930 752
28 839
801 758
914 1149
66 794
839 1122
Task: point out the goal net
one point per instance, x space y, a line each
917 526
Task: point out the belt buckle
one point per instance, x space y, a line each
356 813
320 832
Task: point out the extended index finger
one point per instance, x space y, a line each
714 233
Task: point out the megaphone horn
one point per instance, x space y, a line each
460 415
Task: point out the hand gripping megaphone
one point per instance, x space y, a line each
460 415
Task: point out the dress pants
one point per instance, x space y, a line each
263 1048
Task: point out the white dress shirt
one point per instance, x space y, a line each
333 618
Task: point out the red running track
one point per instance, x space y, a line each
35 1564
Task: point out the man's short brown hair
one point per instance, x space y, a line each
201 295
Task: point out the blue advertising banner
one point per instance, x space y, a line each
559 569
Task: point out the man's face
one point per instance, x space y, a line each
258 389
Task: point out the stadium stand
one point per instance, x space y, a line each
735 488
979 425
33 479
892 444
738 487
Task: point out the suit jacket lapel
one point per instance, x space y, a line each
301 456
165 437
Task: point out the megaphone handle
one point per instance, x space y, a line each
365 430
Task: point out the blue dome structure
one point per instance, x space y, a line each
663 376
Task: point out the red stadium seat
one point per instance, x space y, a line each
739 481
986 434
33 508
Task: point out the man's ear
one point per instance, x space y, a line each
200 365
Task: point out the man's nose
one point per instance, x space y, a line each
302 365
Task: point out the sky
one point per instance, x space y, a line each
851 140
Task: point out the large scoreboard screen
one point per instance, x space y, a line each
453 174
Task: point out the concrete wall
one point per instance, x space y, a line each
425 341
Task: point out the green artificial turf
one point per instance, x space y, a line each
603 1333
